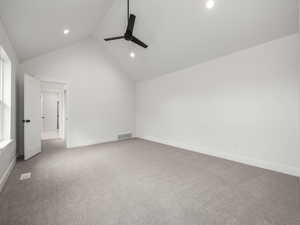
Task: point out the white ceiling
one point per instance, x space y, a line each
184 33
180 33
36 27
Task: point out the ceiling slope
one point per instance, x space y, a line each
184 33
36 27
180 33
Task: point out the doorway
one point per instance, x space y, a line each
50 115
53 110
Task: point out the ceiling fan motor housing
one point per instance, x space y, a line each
128 36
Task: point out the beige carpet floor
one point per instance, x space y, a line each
137 182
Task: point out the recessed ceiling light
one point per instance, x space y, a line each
66 31
132 55
210 4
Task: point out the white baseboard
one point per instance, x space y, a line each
87 144
6 174
281 168
106 141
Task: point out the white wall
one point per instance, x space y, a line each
8 154
101 99
244 107
52 86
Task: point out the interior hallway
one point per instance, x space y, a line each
49 135
138 182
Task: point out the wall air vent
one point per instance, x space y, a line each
124 136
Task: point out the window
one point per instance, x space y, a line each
5 96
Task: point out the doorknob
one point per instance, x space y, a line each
26 121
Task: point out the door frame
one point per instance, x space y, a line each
64 103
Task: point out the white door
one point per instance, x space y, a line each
32 117
50 112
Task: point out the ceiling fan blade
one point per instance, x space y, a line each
138 42
114 38
130 26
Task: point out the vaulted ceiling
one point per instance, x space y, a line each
36 27
184 33
179 33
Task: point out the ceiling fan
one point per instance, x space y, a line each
128 36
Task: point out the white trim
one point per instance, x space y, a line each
103 141
281 168
5 143
6 174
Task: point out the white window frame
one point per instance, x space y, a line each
1 98
5 96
